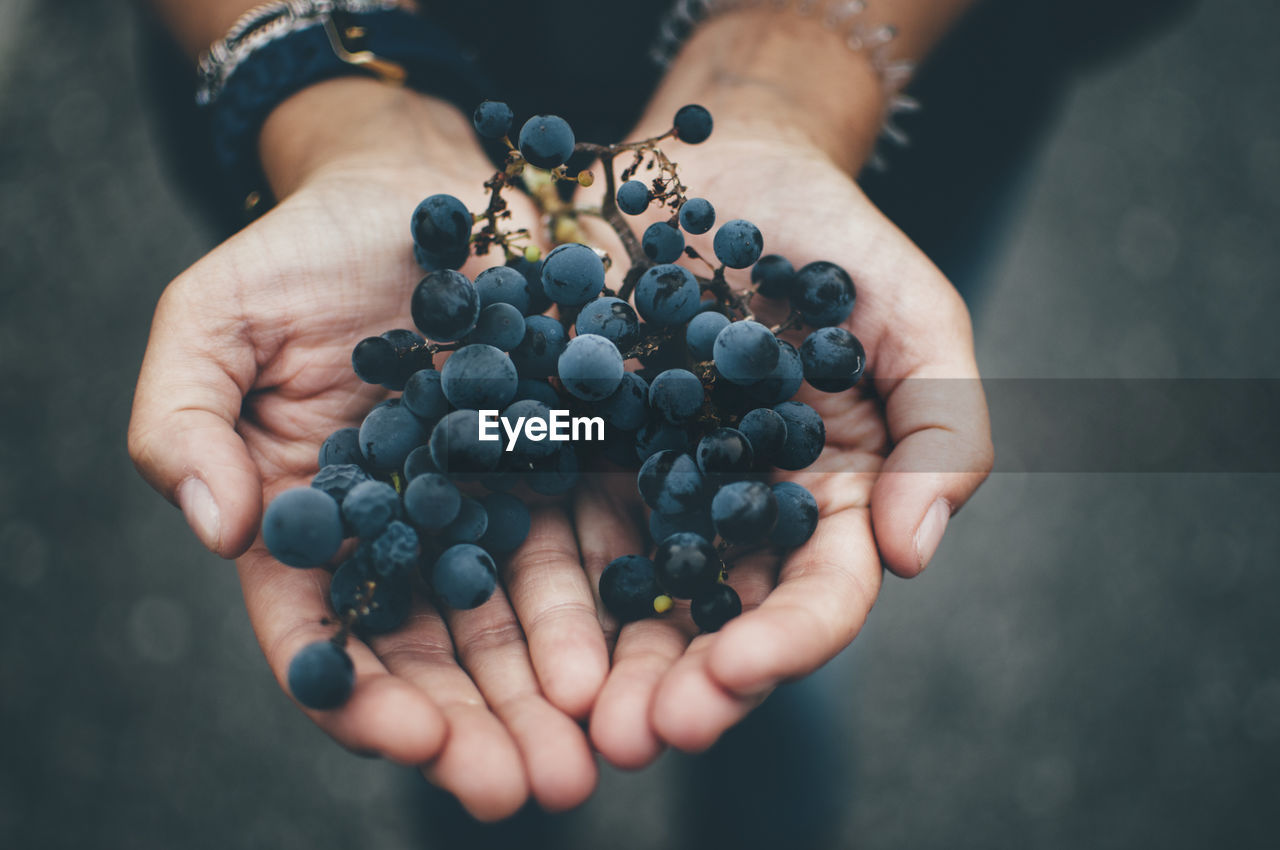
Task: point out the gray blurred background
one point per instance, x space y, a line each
1090 662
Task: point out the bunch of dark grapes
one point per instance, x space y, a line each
415 500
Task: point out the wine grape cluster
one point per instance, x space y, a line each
416 501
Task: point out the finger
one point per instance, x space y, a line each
556 607
556 757
480 763
384 715
182 435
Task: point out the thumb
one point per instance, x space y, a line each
182 435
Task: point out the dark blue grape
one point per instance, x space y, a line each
526 448
374 360
823 293
781 383
693 124
445 306
532 274
714 607
833 359
659 435
627 407
480 377
744 511
590 367
766 431
302 527
395 550
806 435
539 353
509 523
557 474
337 480
412 354
546 141
492 119
662 526
464 576
773 276
628 587
662 243
381 604
468 526
431 501
572 274
738 243
667 295
430 262
611 318
677 394
424 397
388 434
670 482
686 564
499 325
418 462
457 449
745 352
633 197
441 225
723 453
321 676
701 333
797 515
697 215
370 507
503 285
342 446
532 389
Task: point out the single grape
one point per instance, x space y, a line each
424 397
388 434
738 243
395 550
773 276
539 352
701 333
479 377
662 526
457 449
797 515
668 295
686 564
418 462
370 507
627 407
532 389
628 587
381 604
468 526
321 676
430 262
546 141
337 480
340 447
591 367
833 359
503 285
509 523
785 378
806 435
572 274
714 607
526 448
662 243
557 474
745 352
659 435
374 360
697 215
724 453
744 511
492 119
823 293
412 354
302 527
464 576
445 306
670 482
766 431
677 394
441 225
693 124
499 325
633 197
611 318
532 274
431 501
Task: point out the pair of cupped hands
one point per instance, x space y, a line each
248 369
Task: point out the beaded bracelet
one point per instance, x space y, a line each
841 16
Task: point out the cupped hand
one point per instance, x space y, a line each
248 369
905 449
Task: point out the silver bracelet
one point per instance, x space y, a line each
844 17
262 25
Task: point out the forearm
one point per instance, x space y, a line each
761 65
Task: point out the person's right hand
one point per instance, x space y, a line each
248 369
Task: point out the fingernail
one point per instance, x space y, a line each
929 534
201 511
